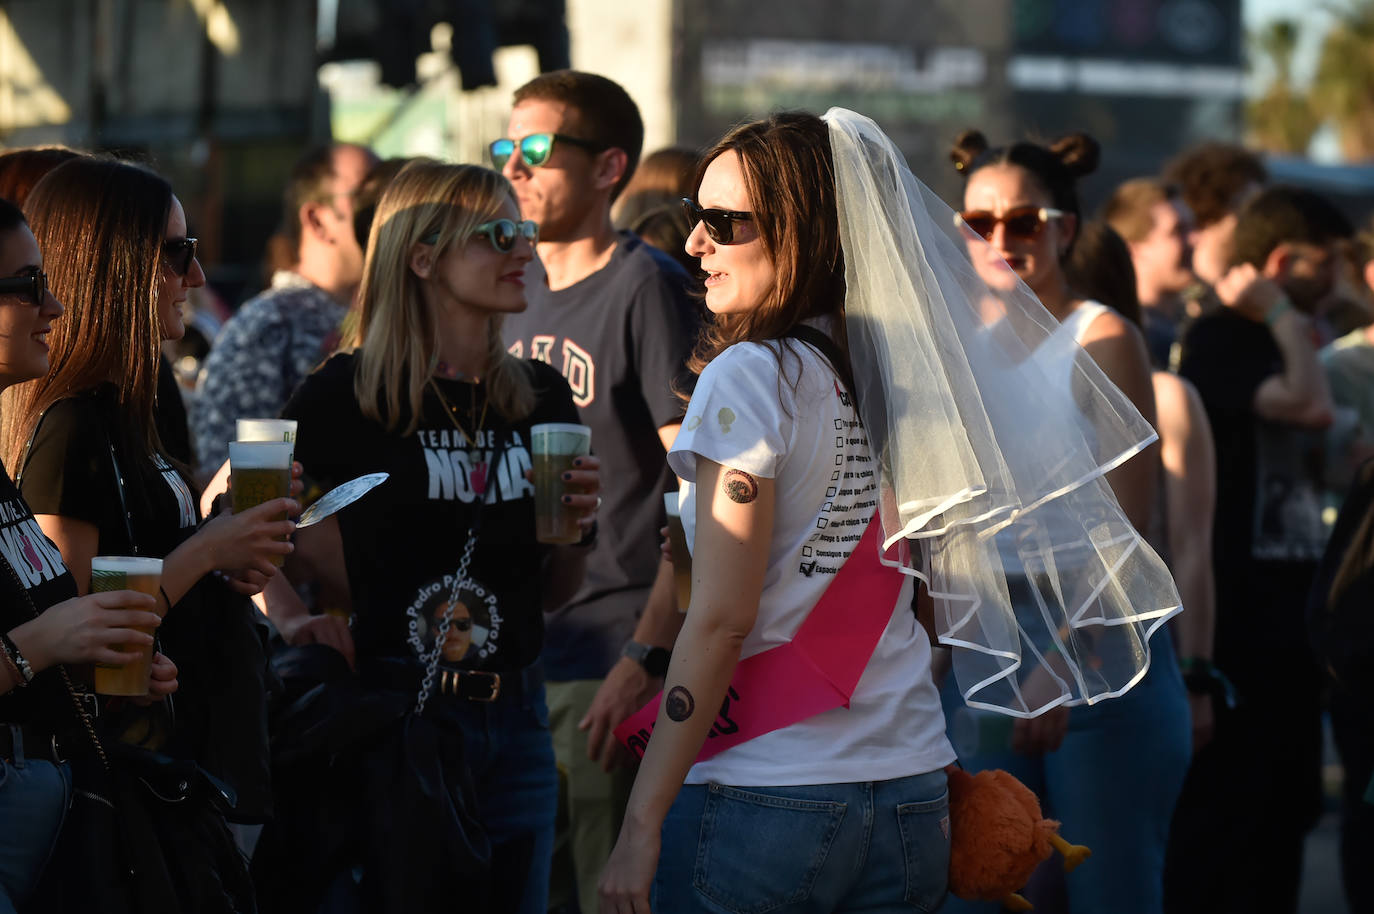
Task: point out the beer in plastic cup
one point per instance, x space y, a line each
283 430
259 471
682 558
553 445
121 572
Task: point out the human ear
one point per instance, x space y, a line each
310 221
421 260
1068 228
1279 261
610 167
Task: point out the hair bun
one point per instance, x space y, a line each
968 146
1078 153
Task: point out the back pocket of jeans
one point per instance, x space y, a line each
758 852
925 846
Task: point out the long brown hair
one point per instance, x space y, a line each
100 224
396 336
789 172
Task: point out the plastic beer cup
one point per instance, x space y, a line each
259 471
125 572
553 446
682 558
282 430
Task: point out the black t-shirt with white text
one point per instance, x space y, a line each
404 540
40 579
70 471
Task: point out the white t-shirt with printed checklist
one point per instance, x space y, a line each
802 431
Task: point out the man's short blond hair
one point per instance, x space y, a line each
1128 211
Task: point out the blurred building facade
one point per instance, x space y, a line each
222 94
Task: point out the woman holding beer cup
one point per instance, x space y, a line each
84 446
430 395
45 624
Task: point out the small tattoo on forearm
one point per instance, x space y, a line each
739 487
679 704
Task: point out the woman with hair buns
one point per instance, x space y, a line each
1022 200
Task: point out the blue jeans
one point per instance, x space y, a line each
874 846
34 796
510 753
1112 784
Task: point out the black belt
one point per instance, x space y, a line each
470 685
24 741
474 685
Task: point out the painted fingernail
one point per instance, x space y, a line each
567 476
567 499
577 461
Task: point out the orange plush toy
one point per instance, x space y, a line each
998 837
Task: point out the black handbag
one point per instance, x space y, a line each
365 778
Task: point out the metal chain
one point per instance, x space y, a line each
80 709
431 660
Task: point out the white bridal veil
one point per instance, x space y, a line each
994 434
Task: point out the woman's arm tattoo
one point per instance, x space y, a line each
739 487
679 704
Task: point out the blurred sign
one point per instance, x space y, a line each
1192 31
884 81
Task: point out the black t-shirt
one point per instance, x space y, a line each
403 541
70 471
1270 473
39 571
621 337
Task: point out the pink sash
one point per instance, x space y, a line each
816 671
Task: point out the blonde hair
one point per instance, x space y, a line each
396 334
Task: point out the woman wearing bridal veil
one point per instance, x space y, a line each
866 406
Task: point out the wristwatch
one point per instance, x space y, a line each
653 659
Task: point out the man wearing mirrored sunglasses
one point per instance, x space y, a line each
278 337
612 313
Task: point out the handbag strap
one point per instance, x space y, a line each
431 661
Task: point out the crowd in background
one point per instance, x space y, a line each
420 318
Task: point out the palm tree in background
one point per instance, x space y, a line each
1342 90
1281 120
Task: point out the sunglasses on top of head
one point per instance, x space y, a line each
502 233
32 285
536 148
1022 223
180 252
720 223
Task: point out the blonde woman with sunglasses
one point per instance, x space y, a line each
440 565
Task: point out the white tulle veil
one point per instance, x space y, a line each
993 434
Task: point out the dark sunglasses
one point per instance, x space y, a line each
179 253
1022 223
536 148
502 233
720 223
33 284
